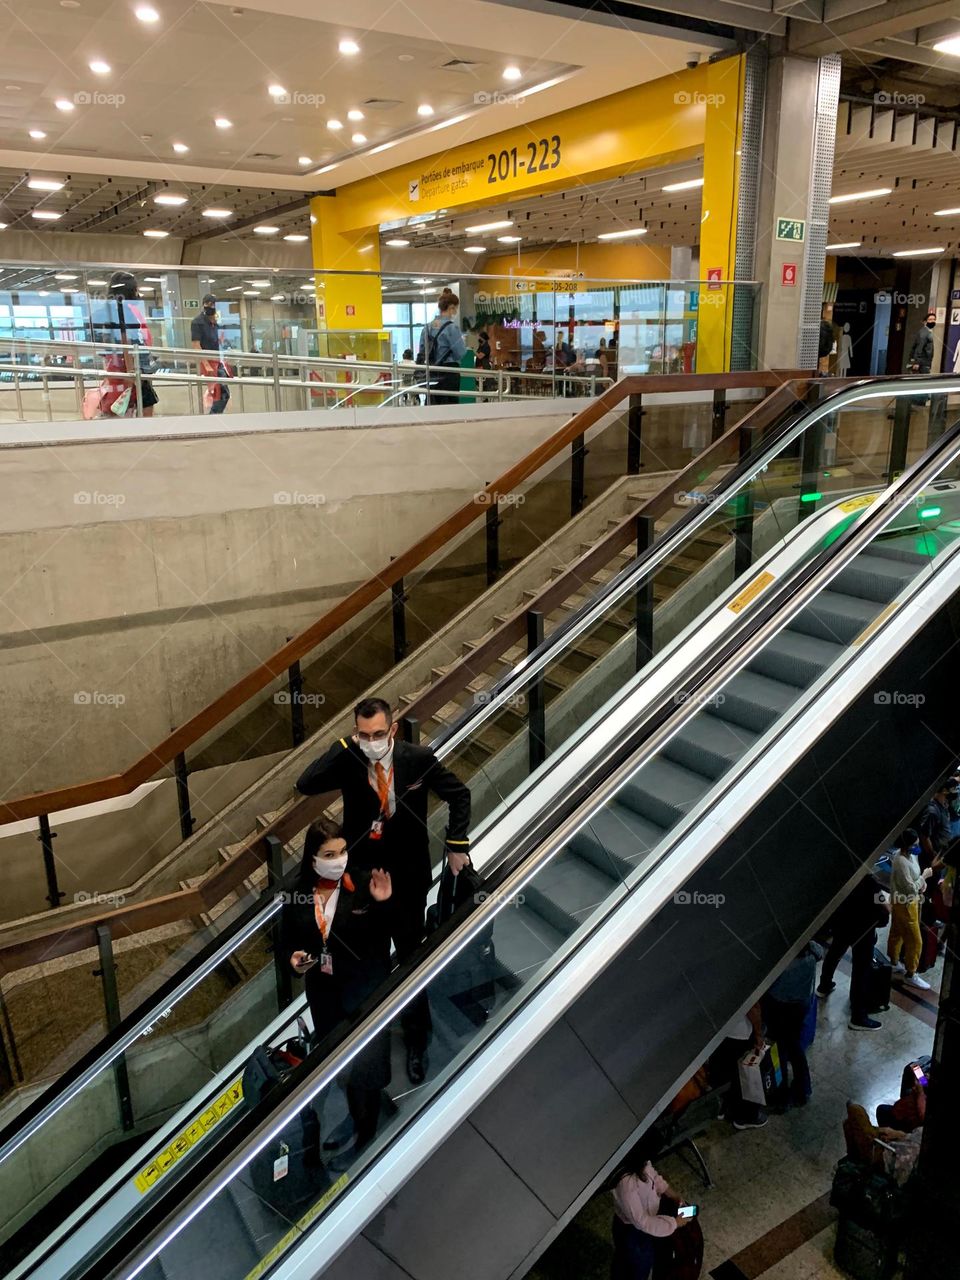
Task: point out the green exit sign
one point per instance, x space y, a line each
790 229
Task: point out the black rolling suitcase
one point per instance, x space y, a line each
870 1205
861 1253
878 983
469 978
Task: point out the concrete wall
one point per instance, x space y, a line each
159 568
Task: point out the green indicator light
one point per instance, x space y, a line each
810 497
826 475
927 513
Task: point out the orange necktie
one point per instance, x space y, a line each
383 787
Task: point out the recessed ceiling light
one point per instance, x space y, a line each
99 67
278 297
622 235
43 293
259 284
396 244
146 13
37 134
68 288
251 293
512 73
950 45
146 288
945 213
422 281
354 114
348 48
97 284
508 239
64 104
424 109
861 195
917 253
326 169
235 288
180 148
153 234
304 161
848 244
334 125
296 238
153 279
277 91
44 184
169 199
64 275
404 57
218 213
684 186
45 215
69 4
474 248
359 138
265 230
223 123
489 226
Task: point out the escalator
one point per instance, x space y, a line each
692 780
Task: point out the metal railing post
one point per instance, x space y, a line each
281 968
46 395
18 391
937 419
276 383
578 468
397 604
743 521
295 687
12 1066
111 1004
536 704
646 532
899 437
493 542
410 729
719 420
46 838
811 464
183 796
635 412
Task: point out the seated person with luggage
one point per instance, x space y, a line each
647 1214
880 1148
336 934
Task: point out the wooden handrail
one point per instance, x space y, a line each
188 903
192 730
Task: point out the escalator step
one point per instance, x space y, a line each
709 746
662 792
835 617
796 659
871 577
893 551
753 701
573 884
618 834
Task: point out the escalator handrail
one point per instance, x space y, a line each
541 839
796 422
798 418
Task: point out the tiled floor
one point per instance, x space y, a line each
766 1217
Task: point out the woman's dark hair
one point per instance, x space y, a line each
447 299
318 833
123 284
647 1149
408 354
906 839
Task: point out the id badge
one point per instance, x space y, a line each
281 1166
326 962
376 829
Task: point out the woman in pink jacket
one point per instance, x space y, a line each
638 1224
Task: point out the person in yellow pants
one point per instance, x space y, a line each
907 883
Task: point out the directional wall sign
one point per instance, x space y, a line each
791 229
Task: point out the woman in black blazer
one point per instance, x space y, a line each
336 934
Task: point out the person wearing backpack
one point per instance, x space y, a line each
336 935
441 350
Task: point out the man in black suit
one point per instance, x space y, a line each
384 783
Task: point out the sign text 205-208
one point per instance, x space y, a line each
540 156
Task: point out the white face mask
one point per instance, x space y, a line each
330 868
376 750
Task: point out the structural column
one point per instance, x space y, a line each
346 269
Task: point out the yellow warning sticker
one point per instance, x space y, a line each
855 504
750 593
182 1143
298 1228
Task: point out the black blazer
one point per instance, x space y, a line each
359 943
404 848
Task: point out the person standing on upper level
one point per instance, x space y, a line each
441 350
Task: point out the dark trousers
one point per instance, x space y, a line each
220 403
408 912
785 1026
634 1252
441 381
861 955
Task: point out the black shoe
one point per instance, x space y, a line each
757 1122
417 1065
341 1137
864 1024
824 989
